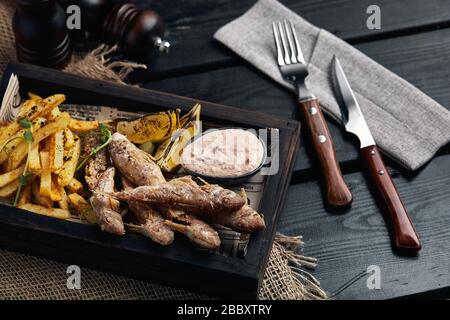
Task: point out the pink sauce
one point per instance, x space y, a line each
224 153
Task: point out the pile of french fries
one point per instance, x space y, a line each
48 162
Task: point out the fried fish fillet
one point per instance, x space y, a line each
244 220
216 204
98 164
107 209
141 170
153 188
136 165
185 197
152 223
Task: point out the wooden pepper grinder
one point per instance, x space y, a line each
138 32
41 34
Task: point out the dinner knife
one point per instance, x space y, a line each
404 235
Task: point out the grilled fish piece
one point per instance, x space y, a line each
98 164
141 170
107 209
152 222
185 197
197 231
136 165
244 220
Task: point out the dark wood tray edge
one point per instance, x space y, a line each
251 274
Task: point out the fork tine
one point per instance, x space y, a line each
300 57
287 60
291 43
277 42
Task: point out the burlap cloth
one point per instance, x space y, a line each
28 277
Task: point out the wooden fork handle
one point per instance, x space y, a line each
404 236
337 191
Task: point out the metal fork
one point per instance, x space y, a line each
290 57
293 68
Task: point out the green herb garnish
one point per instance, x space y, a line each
23 180
28 136
25 123
106 139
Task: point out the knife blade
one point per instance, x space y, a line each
403 233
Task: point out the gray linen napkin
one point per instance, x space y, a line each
407 125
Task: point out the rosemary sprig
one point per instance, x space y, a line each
106 139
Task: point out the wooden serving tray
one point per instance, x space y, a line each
180 264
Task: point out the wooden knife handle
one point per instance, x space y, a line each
337 191
404 235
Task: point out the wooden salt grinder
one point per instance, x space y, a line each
41 34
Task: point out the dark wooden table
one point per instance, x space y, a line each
414 42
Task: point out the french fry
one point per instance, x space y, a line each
33 96
25 195
64 202
75 186
56 195
34 160
31 110
82 207
8 131
54 114
10 176
56 151
35 106
82 126
45 188
53 102
65 174
47 130
26 107
55 144
9 189
69 140
48 188
50 212
15 140
36 195
45 145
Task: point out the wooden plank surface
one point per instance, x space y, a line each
414 43
245 87
192 23
346 244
